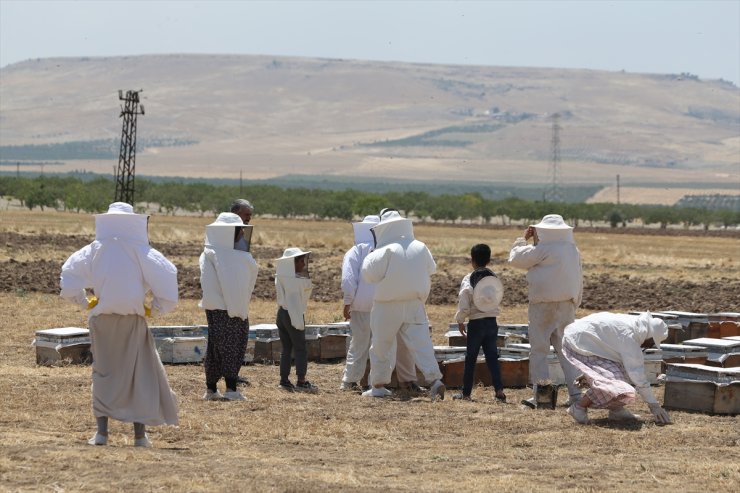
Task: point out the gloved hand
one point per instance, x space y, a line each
91 302
661 416
147 311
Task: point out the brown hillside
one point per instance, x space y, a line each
269 116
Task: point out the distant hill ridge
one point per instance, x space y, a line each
214 116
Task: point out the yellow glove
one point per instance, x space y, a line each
91 302
147 311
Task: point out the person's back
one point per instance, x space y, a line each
129 381
555 283
553 266
401 267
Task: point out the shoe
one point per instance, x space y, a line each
377 392
622 414
500 396
416 388
287 386
243 382
143 442
234 395
531 403
461 397
98 439
210 395
307 387
437 390
580 414
349 386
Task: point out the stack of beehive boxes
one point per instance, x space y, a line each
713 385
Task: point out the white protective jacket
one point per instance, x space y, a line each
120 267
227 275
356 292
618 337
554 266
401 267
293 292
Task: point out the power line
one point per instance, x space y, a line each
553 192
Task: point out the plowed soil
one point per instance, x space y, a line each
704 293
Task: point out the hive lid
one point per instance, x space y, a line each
63 332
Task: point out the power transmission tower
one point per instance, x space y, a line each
553 193
127 156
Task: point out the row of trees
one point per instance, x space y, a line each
72 193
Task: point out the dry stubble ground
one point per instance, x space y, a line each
335 441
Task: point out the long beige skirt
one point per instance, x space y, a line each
128 380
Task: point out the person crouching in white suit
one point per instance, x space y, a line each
401 268
607 348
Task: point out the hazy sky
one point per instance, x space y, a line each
700 37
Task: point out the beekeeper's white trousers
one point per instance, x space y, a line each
547 323
405 364
383 352
359 347
359 350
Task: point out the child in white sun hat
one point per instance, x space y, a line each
293 286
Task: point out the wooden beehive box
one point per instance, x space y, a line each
333 346
722 329
64 344
267 350
702 388
694 325
174 350
444 353
557 377
514 372
455 338
180 343
682 353
721 352
161 331
264 331
507 334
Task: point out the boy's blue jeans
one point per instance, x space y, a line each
482 332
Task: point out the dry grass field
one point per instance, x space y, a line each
336 441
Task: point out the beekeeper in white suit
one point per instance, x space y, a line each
555 283
401 267
358 301
128 380
607 349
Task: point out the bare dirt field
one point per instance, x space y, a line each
336 441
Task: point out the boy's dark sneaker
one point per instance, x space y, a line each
307 387
287 386
500 397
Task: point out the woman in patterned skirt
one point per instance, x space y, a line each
228 274
607 349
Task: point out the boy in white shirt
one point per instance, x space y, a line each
480 295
